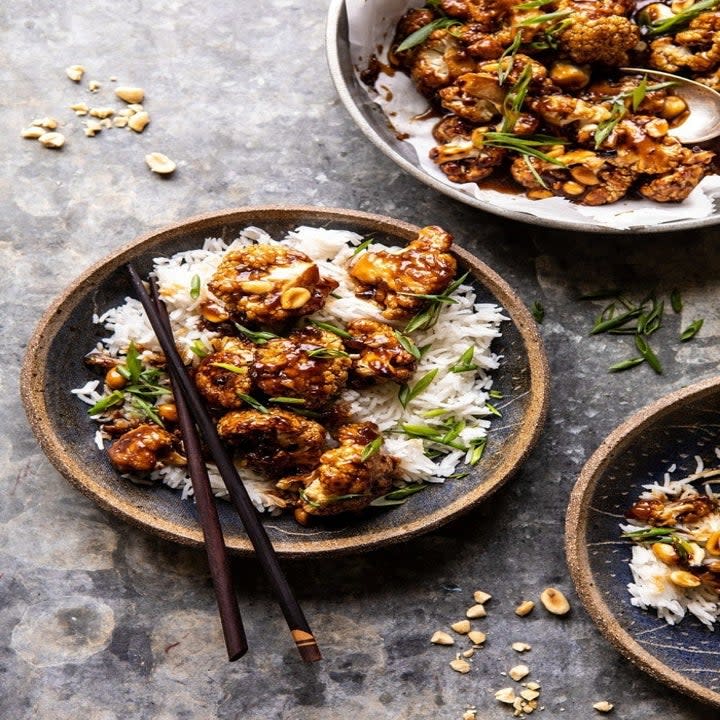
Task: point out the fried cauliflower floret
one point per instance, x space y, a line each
605 40
696 48
269 284
484 12
585 177
598 8
564 110
438 62
140 449
222 375
475 97
458 157
343 481
380 353
310 364
274 442
676 185
393 280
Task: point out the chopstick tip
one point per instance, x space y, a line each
307 646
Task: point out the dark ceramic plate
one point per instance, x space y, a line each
54 364
377 128
675 429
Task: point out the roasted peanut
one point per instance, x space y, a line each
554 601
114 380
53 140
131 95
664 553
158 162
294 298
75 72
257 287
441 638
138 121
524 608
683 578
168 411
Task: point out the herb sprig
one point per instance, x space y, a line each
422 34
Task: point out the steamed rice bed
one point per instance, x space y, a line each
461 325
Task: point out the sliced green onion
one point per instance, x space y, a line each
253 403
399 496
676 301
537 310
421 35
132 362
363 245
691 330
465 363
147 409
199 349
195 287
407 344
372 448
408 394
114 398
287 400
326 353
331 328
259 338
230 367
646 351
478 450
626 364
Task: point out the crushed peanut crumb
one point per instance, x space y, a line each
53 140
33 132
476 637
518 672
441 638
506 695
75 72
603 706
160 163
524 608
521 647
460 665
80 108
94 86
476 611
481 597
462 627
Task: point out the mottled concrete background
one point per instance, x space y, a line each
102 622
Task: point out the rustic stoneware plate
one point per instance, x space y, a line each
675 429
375 125
54 364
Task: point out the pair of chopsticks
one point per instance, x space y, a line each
192 412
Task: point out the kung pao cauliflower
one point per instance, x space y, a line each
532 91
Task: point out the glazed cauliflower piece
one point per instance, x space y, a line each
606 40
438 62
142 448
269 284
273 442
393 279
222 375
343 481
380 355
458 157
696 48
585 178
310 364
677 184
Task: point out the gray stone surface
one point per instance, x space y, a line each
100 621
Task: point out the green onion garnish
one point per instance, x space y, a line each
195 287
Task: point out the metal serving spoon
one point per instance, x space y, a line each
703 120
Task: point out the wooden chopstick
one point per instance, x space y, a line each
217 554
299 628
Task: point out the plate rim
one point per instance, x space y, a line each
32 382
576 551
336 15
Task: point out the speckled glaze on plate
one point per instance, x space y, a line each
54 364
675 429
374 124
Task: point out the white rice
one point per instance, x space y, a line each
651 587
463 396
